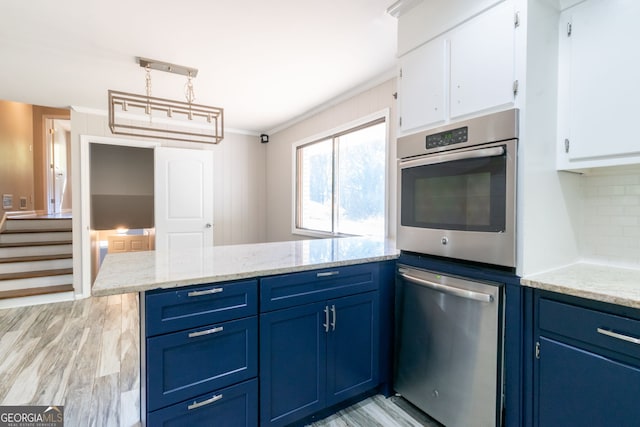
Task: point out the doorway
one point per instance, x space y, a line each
58 161
57 165
182 199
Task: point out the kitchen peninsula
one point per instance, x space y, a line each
311 319
143 271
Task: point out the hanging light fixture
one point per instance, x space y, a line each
152 117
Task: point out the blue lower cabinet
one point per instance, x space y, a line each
292 364
587 363
580 388
235 406
317 355
353 347
188 363
171 310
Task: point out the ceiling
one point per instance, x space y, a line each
264 62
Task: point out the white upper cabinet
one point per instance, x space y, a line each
429 19
422 86
599 84
467 70
482 62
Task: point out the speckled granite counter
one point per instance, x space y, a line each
142 271
597 282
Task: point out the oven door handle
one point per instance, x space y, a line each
463 293
450 157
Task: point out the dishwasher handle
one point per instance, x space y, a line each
463 293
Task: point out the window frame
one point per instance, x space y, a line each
381 116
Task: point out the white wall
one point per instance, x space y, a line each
239 185
279 162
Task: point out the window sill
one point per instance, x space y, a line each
318 234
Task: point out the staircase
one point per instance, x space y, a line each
35 256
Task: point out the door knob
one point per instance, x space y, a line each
208 225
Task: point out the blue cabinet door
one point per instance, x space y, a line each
292 364
580 388
353 346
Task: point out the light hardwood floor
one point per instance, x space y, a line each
85 355
82 354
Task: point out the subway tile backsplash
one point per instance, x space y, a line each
610 216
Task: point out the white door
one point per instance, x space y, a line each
183 198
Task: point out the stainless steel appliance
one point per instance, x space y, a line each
449 347
457 190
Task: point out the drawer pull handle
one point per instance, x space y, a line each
207 292
451 290
333 323
327 273
196 405
207 332
616 335
326 318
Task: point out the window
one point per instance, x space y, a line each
340 182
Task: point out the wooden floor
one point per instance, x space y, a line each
82 354
85 355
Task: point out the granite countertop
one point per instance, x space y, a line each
593 281
142 271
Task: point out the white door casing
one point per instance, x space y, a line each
183 186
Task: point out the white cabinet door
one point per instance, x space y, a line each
422 86
482 62
603 97
183 198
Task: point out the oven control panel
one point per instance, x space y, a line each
449 137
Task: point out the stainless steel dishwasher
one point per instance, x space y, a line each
449 354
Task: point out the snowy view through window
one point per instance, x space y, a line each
342 183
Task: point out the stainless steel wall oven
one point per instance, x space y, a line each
457 235
457 190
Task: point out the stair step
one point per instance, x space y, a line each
31 258
28 239
35 244
36 265
35 274
35 230
27 292
37 223
35 282
27 249
35 238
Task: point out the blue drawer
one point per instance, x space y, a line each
293 289
594 327
174 310
235 406
188 363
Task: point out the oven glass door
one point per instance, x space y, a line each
456 191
